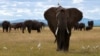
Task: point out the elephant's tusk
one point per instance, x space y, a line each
67 30
56 31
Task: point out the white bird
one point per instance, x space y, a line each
5 48
39 45
31 48
83 47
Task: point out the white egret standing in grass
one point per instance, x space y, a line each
39 45
5 48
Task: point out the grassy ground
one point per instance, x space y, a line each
82 43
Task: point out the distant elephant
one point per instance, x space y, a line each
81 26
60 21
28 24
31 25
6 26
76 26
42 24
18 25
88 28
90 25
37 26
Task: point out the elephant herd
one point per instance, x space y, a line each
29 24
81 26
60 21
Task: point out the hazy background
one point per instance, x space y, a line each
19 10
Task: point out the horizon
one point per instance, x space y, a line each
84 20
39 19
29 9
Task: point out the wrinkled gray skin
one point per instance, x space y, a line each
60 21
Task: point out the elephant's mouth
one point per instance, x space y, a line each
57 29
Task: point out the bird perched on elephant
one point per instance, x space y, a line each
60 21
6 26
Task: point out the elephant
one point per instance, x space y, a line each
79 26
18 25
76 26
88 28
90 25
37 25
32 25
60 21
28 24
6 26
42 24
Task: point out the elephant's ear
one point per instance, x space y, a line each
74 15
50 16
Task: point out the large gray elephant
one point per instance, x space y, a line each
60 21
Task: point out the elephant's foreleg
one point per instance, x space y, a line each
38 30
55 40
29 29
58 44
60 39
3 29
6 29
9 29
23 28
66 42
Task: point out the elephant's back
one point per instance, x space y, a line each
4 23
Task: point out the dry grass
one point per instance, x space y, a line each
82 43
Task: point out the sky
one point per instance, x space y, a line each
34 9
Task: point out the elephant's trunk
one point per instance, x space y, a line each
62 22
62 31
